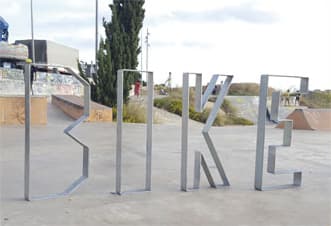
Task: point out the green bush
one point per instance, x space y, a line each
234 120
246 89
228 108
317 99
219 120
174 105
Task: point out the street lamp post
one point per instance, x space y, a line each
96 38
141 50
147 45
32 34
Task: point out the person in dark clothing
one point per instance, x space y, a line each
214 90
32 77
287 97
297 98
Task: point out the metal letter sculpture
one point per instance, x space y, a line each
287 135
148 179
76 183
200 101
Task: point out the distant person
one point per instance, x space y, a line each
163 92
220 87
137 88
214 90
287 97
297 98
32 77
282 99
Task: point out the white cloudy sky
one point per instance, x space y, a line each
245 38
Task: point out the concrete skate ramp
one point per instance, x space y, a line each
310 119
248 107
12 110
73 106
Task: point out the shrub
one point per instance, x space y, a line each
228 108
246 89
174 105
317 99
219 120
234 120
132 113
170 104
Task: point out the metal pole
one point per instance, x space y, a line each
141 52
32 34
118 171
141 61
96 37
185 118
27 74
147 45
261 132
149 131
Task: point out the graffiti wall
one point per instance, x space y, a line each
12 83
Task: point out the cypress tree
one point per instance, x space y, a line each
122 35
92 84
105 84
119 50
102 85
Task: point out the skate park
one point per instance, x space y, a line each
95 198
93 202
170 171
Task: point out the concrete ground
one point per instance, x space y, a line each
56 161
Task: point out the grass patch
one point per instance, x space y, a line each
132 113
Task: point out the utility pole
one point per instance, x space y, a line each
147 45
141 51
32 34
96 38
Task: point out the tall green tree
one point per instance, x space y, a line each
82 73
120 49
105 82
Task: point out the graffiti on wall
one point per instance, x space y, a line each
12 83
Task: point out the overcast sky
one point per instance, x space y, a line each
245 38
